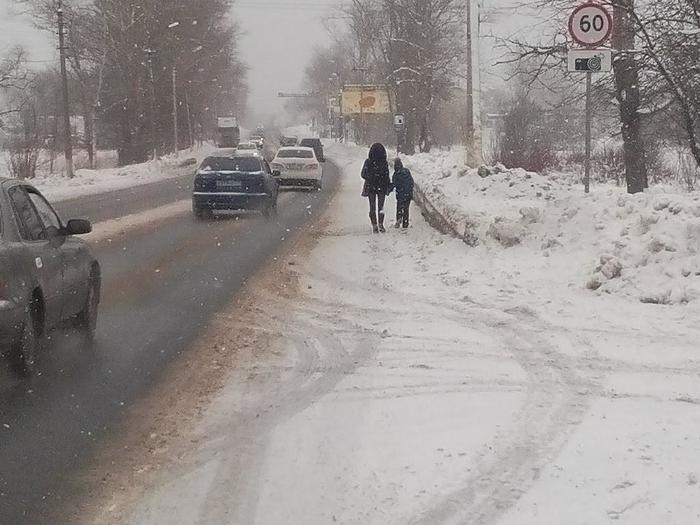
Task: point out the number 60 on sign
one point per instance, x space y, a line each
590 25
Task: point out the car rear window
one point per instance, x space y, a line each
295 154
310 143
242 164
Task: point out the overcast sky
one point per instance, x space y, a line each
278 41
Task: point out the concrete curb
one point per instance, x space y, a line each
434 217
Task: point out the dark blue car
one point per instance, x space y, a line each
239 182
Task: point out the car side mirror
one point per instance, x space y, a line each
55 236
276 173
78 227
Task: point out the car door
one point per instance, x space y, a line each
45 259
75 265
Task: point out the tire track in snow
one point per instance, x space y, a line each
559 392
321 362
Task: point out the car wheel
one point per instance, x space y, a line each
23 355
202 214
269 210
87 318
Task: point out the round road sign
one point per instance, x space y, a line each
590 25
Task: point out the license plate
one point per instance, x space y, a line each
295 167
228 184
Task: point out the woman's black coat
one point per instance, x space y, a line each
375 172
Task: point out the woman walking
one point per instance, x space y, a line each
377 185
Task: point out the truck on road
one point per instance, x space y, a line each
228 133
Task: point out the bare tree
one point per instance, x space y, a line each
122 55
416 48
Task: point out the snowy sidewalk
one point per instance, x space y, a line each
406 378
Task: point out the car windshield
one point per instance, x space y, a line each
352 262
295 153
239 164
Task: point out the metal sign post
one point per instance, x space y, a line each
399 127
589 118
590 25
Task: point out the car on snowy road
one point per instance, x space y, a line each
241 182
247 147
47 276
288 141
316 144
258 139
297 166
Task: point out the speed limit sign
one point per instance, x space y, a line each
590 25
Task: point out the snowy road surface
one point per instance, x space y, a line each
406 378
165 276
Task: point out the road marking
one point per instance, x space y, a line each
105 230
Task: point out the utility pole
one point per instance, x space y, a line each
363 70
189 118
473 145
175 134
68 142
150 53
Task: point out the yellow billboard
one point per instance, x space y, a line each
372 100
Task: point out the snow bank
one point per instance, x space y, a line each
90 182
645 247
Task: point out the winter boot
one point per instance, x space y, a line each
375 228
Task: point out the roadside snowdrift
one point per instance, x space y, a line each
645 247
57 187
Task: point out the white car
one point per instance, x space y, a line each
247 147
296 166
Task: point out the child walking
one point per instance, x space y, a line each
403 183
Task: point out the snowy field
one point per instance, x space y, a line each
412 378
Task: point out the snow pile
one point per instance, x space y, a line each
489 203
645 247
90 182
653 250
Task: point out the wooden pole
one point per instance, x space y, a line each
68 142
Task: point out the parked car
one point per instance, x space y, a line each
317 146
297 166
47 276
241 182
